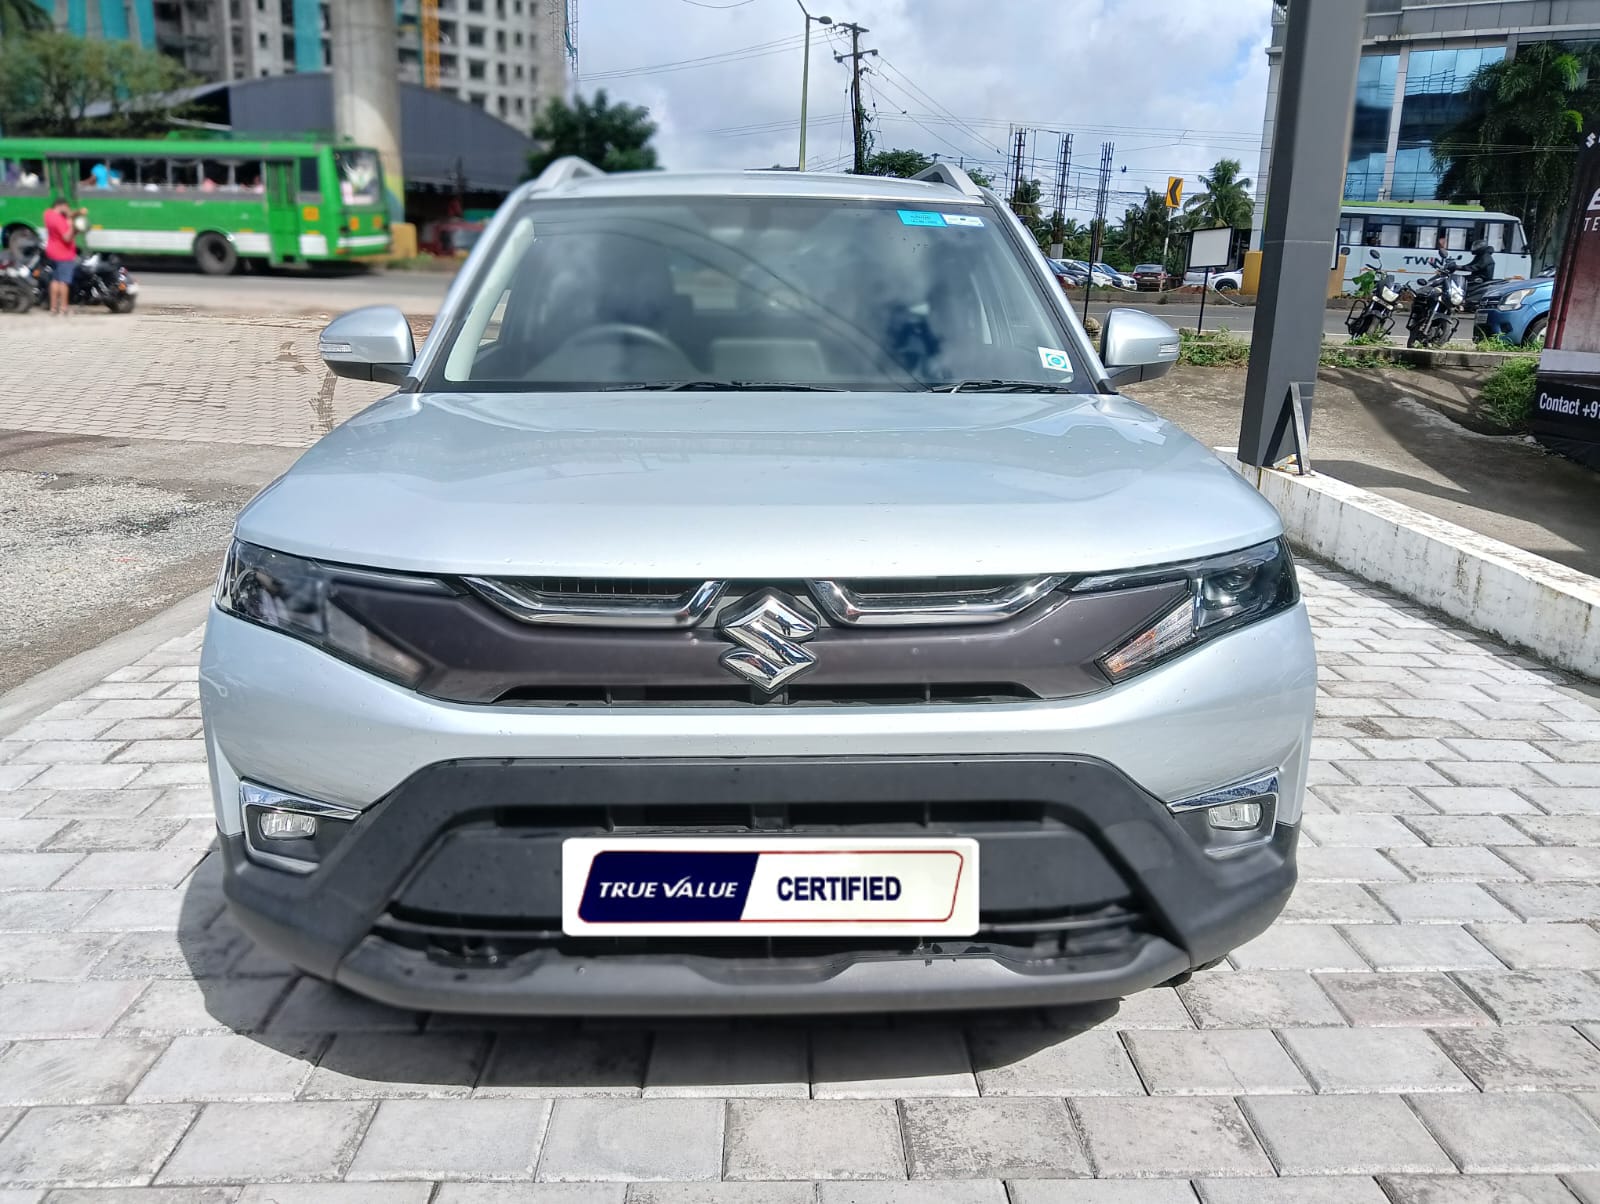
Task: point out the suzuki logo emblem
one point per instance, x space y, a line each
769 629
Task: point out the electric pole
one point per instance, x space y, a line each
1059 217
857 112
1097 231
805 78
1016 168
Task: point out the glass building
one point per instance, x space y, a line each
1417 63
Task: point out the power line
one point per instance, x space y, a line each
737 54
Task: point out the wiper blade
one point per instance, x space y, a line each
727 386
1001 386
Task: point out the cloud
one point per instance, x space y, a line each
1175 84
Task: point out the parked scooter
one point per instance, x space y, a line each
101 279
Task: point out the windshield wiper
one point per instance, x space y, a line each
726 386
1001 386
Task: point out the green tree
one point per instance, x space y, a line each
980 177
614 137
49 81
18 17
1025 203
1224 199
902 163
1514 151
1146 228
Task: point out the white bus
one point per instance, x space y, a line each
1405 238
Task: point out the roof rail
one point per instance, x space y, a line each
564 170
944 173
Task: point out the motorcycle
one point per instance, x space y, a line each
17 291
1374 314
101 279
1436 306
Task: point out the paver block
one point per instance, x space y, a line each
1459 830
34 871
676 1140
268 1143
228 1066
397 1066
1298 947
1558 902
1524 1058
1319 1189
1333 903
1419 947
172 954
1214 1062
1476 1189
1359 831
1440 903
1257 999
50 956
63 1009
1534 996
90 1147
1512 1133
1454 864
1343 1135
740 1062
921 1191
95 1070
1343 863
1168 1138
1401 1000
782 1139
1547 863
991 1139
921 1060
333 1193
560 1063
203 1005
320 1007
451 1139
1542 946
1039 1061
1343 1061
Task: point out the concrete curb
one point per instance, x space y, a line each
77 673
1549 609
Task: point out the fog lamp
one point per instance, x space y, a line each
1235 817
287 825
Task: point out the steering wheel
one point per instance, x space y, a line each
623 330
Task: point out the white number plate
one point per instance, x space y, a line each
769 886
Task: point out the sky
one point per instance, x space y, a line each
1173 84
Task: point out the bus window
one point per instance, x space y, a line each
22 175
360 179
185 175
1427 235
310 180
248 177
1390 236
215 174
1408 234
1350 230
124 172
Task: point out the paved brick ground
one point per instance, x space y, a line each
1423 1025
154 376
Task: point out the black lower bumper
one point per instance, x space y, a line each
446 895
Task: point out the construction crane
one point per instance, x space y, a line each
430 43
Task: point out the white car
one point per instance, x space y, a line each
1230 281
1114 278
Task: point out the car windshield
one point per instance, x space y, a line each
1148 267
753 292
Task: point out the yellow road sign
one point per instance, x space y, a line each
1174 192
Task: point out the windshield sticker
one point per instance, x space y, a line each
962 219
916 217
1055 360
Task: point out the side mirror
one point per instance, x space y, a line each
373 343
1135 346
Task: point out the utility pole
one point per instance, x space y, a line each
1059 217
805 77
857 112
366 86
1097 231
1016 168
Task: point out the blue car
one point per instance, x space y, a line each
1517 310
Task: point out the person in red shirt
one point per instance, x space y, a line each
61 249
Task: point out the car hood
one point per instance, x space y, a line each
757 485
1500 288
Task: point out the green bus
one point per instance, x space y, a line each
215 199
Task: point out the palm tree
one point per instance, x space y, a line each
19 17
1025 203
1146 227
1514 151
1225 199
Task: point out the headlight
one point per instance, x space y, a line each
300 598
1514 300
1225 593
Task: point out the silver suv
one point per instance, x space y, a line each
755 597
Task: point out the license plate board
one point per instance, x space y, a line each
769 886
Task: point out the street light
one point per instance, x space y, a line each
805 77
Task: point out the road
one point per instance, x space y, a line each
292 292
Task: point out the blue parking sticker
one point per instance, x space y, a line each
916 217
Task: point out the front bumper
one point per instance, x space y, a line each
446 896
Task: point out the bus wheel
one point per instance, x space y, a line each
215 255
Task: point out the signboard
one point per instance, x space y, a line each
1209 248
1174 192
1566 415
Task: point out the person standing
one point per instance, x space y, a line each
61 250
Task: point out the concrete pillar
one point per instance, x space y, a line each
1386 189
366 85
1321 54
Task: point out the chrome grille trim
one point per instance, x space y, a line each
596 609
849 608
601 602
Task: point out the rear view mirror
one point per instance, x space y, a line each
373 343
1135 346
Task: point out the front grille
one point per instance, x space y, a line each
604 587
